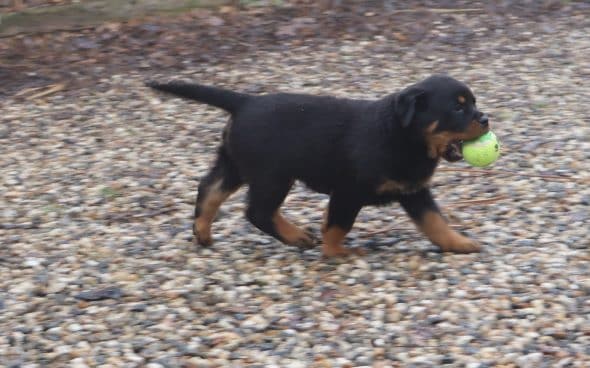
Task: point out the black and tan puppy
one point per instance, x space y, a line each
360 152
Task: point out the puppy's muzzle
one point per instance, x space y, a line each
453 151
484 121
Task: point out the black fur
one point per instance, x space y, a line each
342 147
222 98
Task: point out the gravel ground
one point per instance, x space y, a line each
97 267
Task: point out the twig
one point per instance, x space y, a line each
161 211
504 172
399 228
26 91
438 11
55 88
46 31
8 226
155 212
14 66
470 202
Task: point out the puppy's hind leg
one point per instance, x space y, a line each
221 181
265 198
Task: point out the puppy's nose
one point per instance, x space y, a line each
484 120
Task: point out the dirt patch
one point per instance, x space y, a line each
89 13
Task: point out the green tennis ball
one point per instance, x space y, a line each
482 151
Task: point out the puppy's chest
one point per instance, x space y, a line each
389 187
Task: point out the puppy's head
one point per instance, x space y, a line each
442 111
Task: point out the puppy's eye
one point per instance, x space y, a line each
459 107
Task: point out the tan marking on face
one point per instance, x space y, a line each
461 99
434 226
432 127
438 141
214 198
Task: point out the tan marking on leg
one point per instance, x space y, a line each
391 186
290 233
325 220
439 232
332 243
214 198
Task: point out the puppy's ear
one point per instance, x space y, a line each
407 103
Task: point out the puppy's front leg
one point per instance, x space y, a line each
338 220
423 210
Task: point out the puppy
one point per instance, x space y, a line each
360 152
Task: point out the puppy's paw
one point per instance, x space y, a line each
305 239
202 241
340 251
201 236
460 244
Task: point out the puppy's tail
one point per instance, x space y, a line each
228 100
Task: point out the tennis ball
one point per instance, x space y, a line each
482 151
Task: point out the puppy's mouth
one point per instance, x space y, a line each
452 152
447 144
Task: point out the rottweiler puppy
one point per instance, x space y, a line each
360 152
